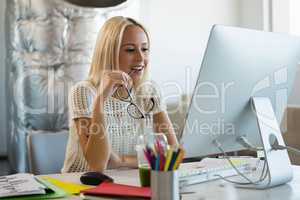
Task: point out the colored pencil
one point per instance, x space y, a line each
168 159
179 159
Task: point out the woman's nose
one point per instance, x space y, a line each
139 56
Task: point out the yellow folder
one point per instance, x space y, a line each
70 188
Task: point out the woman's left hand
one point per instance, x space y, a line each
129 161
117 161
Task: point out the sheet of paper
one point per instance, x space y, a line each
20 184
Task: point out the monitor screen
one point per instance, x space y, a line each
237 65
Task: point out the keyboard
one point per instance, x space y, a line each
208 168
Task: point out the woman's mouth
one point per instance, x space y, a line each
136 70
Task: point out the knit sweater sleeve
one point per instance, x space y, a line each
81 101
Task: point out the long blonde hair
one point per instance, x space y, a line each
106 53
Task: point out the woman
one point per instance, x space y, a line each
116 103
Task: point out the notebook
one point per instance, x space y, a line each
20 184
119 190
28 187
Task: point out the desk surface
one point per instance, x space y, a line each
209 190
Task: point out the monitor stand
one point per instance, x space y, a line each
277 161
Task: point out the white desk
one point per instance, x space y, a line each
211 190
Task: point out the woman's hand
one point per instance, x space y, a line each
130 161
117 161
110 82
162 124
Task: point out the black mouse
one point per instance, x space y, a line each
94 178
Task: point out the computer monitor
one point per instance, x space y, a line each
237 65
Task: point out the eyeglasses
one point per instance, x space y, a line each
133 109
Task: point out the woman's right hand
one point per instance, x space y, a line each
110 81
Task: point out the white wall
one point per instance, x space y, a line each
179 31
3 121
295 29
251 14
295 17
281 16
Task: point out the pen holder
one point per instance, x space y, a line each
164 185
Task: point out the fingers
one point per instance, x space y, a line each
119 74
128 80
118 83
120 78
125 77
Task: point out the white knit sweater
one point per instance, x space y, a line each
122 129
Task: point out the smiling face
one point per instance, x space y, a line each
134 52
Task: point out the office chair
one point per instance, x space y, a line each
46 152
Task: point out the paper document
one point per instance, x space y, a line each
20 184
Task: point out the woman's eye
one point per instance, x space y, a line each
130 50
145 49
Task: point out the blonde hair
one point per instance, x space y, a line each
106 53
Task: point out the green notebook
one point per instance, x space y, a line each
51 192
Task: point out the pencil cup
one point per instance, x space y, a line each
143 162
164 185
